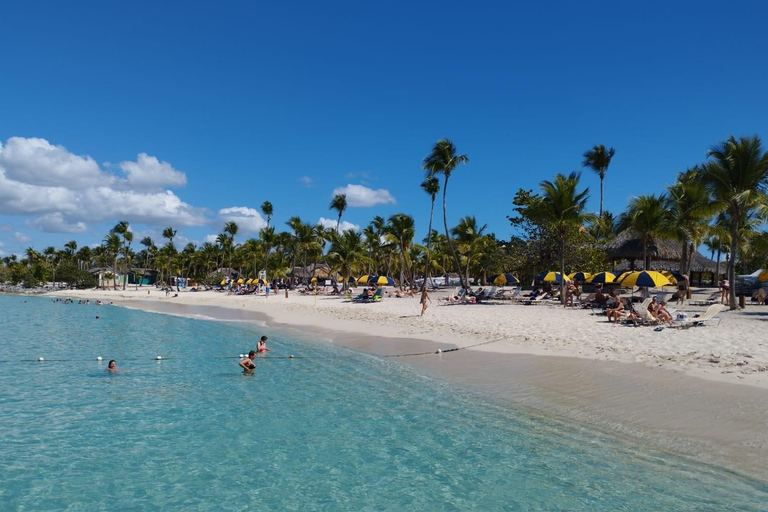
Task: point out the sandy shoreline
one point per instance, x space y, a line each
720 419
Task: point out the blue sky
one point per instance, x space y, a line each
191 114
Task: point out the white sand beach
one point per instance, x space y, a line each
700 391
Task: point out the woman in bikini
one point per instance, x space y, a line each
247 364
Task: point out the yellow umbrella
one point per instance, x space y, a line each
581 276
763 276
551 277
650 279
364 279
223 282
240 281
313 280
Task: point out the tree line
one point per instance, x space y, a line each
721 204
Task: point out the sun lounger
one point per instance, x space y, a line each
709 315
646 318
713 297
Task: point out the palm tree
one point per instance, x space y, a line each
691 210
649 217
431 186
112 248
401 228
266 209
231 229
603 227
339 203
598 159
714 245
469 236
443 160
563 206
346 254
169 233
737 178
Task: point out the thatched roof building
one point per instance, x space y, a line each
625 252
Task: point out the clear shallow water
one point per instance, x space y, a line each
330 430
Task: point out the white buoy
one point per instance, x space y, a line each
40 359
439 351
241 356
158 358
98 358
291 356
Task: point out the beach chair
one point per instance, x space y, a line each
713 297
533 301
709 315
646 318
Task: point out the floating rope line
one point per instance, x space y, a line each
439 351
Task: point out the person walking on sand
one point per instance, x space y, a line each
424 299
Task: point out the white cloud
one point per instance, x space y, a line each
307 182
22 238
362 197
55 223
148 173
248 220
38 162
65 190
6 228
344 226
210 239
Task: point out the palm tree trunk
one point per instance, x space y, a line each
601 196
464 284
429 243
684 258
732 262
562 269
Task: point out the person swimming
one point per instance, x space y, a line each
112 365
247 364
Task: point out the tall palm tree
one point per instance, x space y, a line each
443 160
112 248
231 229
346 254
713 245
169 233
603 227
598 159
267 210
339 203
431 186
737 178
563 206
649 217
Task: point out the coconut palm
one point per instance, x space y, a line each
266 209
563 207
401 228
603 227
339 203
111 246
431 186
346 254
598 159
469 237
737 177
169 233
649 217
443 160
691 211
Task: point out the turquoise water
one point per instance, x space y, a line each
330 430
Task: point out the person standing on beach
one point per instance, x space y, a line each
424 299
682 290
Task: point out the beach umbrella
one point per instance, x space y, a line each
313 280
382 281
580 276
240 281
551 277
223 282
603 277
365 279
260 281
622 276
503 279
649 278
249 281
763 276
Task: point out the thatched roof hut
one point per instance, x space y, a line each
625 252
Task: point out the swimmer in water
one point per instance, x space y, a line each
261 348
247 364
112 365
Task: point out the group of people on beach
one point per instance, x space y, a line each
248 364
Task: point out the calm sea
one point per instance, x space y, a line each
331 429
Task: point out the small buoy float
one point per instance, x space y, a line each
291 356
98 358
40 359
439 351
158 358
241 356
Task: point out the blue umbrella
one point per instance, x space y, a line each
381 280
551 277
503 279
